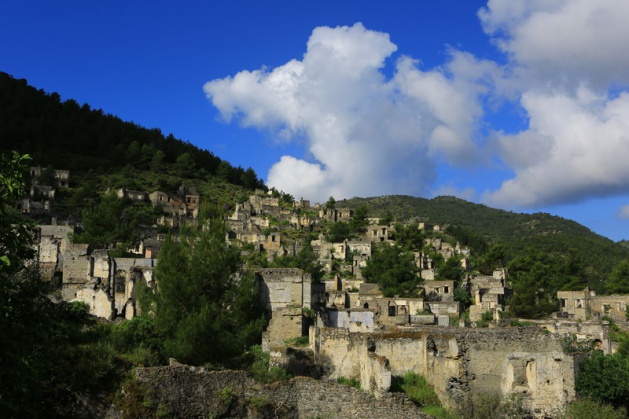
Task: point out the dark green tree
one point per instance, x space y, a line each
450 270
205 308
463 296
331 204
618 282
337 232
48 352
15 236
185 165
408 236
394 270
249 179
495 257
358 223
604 378
107 223
386 219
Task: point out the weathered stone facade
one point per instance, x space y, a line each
184 392
286 292
458 362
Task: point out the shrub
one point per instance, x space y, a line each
604 378
352 381
486 317
260 369
300 341
416 388
590 409
519 323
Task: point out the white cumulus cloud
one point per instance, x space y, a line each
365 134
562 41
575 147
569 67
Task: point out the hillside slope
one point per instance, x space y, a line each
516 232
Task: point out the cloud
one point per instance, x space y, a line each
624 212
575 147
562 41
365 134
568 65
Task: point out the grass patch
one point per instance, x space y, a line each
417 389
352 381
300 341
589 409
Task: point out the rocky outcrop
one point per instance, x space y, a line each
181 391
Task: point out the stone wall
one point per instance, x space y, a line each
77 270
285 292
100 302
181 391
460 363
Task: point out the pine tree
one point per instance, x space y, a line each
205 307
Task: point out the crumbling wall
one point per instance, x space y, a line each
77 270
283 287
180 391
285 293
285 323
526 362
100 302
460 363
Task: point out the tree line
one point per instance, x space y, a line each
67 135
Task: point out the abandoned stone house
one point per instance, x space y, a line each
585 305
524 362
301 204
41 197
185 203
334 215
377 233
287 293
107 285
61 177
135 196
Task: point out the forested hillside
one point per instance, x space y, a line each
67 135
542 251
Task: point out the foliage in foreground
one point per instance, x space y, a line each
590 409
257 362
604 378
205 308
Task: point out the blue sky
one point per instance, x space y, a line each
517 104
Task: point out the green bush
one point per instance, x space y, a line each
299 341
486 317
416 388
259 366
439 412
604 378
352 381
590 409
519 323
